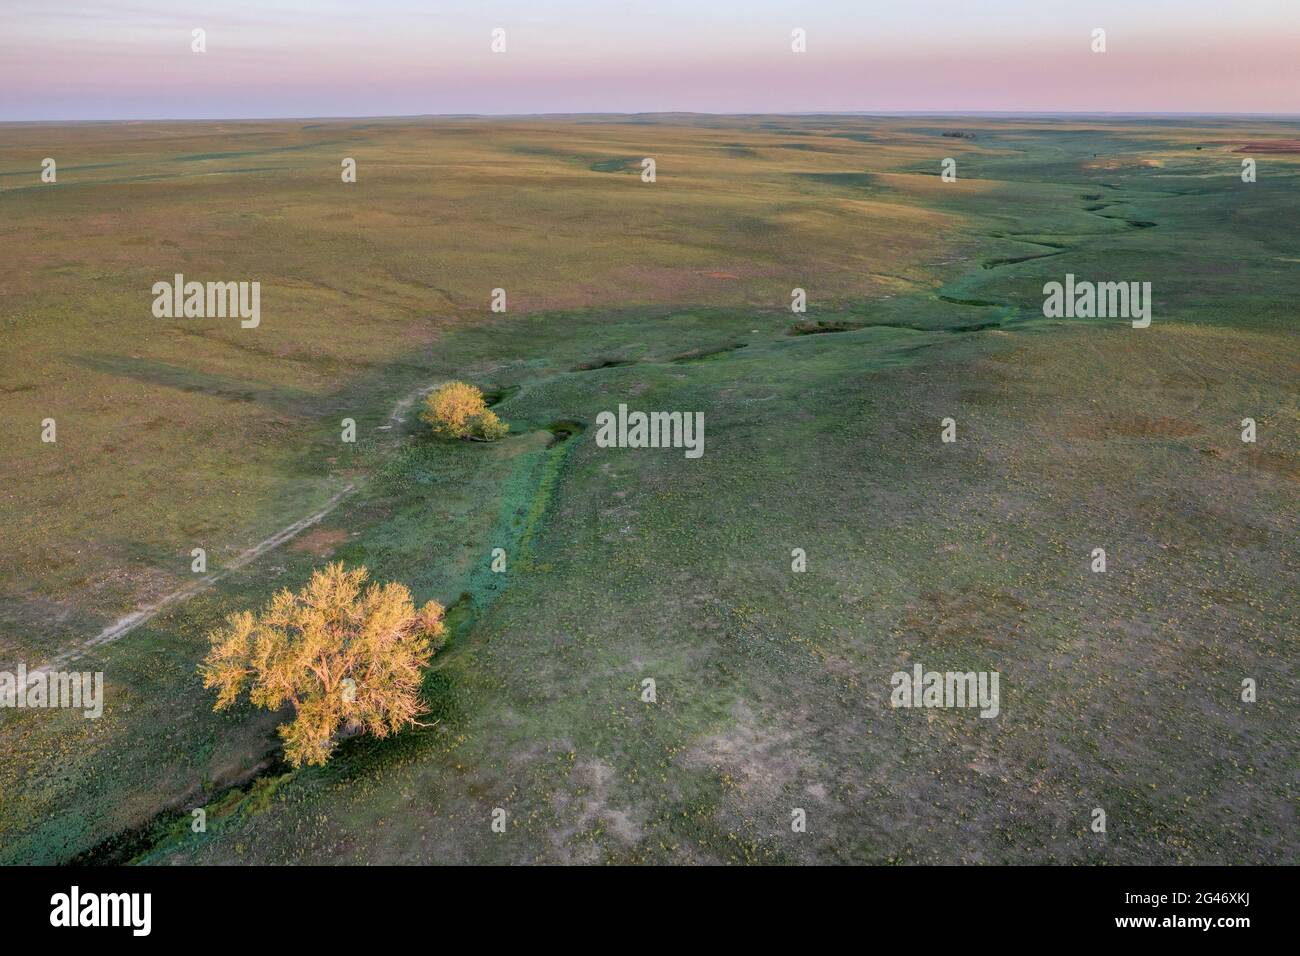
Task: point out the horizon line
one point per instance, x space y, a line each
939 114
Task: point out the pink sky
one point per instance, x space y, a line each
124 59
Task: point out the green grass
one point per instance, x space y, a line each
1119 690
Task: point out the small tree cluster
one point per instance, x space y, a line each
457 410
349 658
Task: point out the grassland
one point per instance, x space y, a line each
1120 690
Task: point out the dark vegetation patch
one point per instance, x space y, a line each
703 354
1013 260
823 326
615 165
845 180
827 326
204 157
172 825
600 363
528 149
564 429
495 396
979 303
974 327
1030 238
459 617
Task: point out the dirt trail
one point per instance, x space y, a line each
125 625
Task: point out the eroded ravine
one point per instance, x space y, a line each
169 827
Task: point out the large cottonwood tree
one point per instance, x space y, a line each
348 656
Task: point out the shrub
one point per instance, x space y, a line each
457 410
349 659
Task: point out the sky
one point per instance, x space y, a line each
132 59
